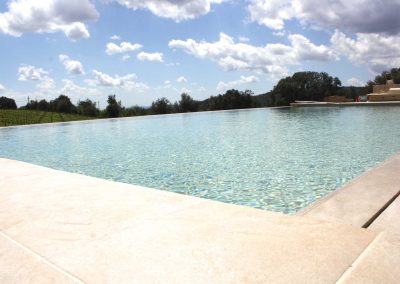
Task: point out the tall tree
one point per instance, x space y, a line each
187 103
113 108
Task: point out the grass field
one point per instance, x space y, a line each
19 117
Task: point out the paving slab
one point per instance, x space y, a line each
375 264
19 265
389 220
359 200
101 231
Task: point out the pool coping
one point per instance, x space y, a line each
91 230
372 193
336 191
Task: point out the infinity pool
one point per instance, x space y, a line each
274 159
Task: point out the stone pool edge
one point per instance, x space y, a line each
367 193
92 228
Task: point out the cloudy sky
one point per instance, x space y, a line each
141 50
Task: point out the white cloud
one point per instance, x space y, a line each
71 66
271 59
185 90
167 85
181 79
48 16
271 13
125 57
69 87
2 88
378 52
153 57
123 47
279 33
47 85
76 31
116 81
304 49
222 86
361 16
31 73
115 37
47 89
201 89
173 64
177 10
127 82
355 82
374 27
76 92
243 39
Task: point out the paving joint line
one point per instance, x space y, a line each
42 258
357 259
380 211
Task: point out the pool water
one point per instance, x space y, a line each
274 159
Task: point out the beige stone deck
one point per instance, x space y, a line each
59 227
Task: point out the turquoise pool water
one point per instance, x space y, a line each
275 159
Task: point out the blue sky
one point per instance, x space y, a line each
143 50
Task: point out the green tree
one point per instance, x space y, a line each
43 105
134 111
87 108
381 79
369 87
7 103
393 74
232 99
187 103
38 105
113 108
309 86
176 108
161 106
63 104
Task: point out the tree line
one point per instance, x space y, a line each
308 86
305 86
232 99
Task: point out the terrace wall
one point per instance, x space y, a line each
384 88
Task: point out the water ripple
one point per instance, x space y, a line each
274 159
